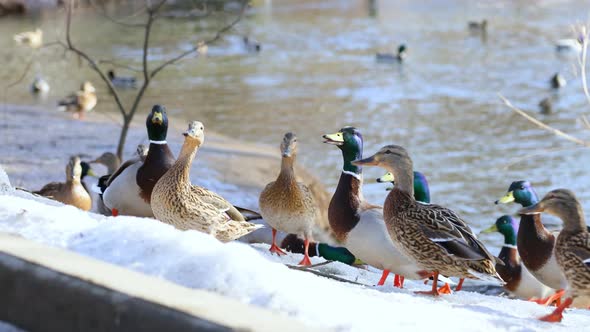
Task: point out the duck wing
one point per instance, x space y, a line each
445 228
50 189
580 246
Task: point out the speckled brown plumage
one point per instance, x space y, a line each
176 201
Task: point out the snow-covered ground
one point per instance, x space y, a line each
249 274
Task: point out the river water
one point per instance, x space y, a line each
317 72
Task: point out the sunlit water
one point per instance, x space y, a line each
317 72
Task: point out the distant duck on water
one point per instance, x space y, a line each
81 102
390 57
122 82
557 81
40 86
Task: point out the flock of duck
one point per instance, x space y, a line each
407 236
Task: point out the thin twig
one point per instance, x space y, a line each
555 131
329 276
20 79
303 267
515 161
103 13
120 65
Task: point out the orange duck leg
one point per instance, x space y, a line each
383 278
305 261
434 291
557 314
274 249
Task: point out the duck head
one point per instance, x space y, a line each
350 141
86 170
396 160
195 133
87 87
157 124
521 192
289 145
142 150
111 74
106 159
402 51
507 226
74 169
421 188
561 203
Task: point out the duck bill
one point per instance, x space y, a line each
91 173
371 161
388 177
286 153
158 118
491 229
533 209
508 198
334 139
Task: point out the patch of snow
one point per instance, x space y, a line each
250 274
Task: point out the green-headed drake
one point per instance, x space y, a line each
129 189
534 242
436 238
402 52
176 201
421 188
288 205
519 281
359 225
572 249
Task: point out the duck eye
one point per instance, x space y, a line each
521 188
388 152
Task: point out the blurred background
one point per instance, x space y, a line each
317 72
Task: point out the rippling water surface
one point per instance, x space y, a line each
317 73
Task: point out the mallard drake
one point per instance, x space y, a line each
70 192
431 235
475 26
32 39
177 202
389 57
519 281
110 161
288 205
202 48
39 86
251 46
572 248
359 225
294 244
122 82
421 188
534 242
128 191
81 102
557 81
86 170
570 45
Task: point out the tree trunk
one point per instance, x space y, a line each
123 137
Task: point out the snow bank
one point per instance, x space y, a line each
250 274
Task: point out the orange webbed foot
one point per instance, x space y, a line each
446 289
305 261
557 315
274 249
383 278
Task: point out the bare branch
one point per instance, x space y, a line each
207 42
325 275
104 14
517 160
27 68
120 65
556 132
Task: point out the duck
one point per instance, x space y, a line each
546 106
475 26
294 244
111 161
389 57
570 45
519 281
572 248
251 46
177 202
534 242
128 191
358 225
33 39
421 188
288 205
122 82
81 102
434 237
557 81
202 48
71 192
40 86
86 171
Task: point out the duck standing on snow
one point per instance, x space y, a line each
519 281
534 242
389 57
32 39
572 248
70 192
129 190
356 223
177 202
122 82
431 235
81 102
288 205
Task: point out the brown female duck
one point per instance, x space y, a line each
72 191
129 189
288 205
572 248
436 238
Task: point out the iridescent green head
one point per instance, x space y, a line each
421 189
521 192
350 141
507 226
157 124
